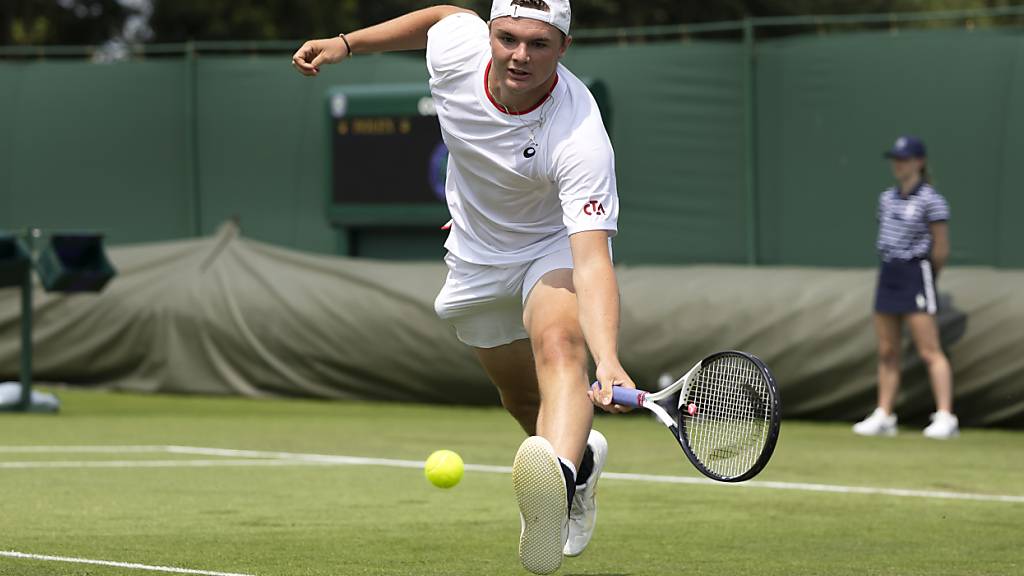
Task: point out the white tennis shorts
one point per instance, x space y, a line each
485 303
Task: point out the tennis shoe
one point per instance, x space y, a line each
541 492
943 427
878 423
583 512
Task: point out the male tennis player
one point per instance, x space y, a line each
532 195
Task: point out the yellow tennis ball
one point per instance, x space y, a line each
443 468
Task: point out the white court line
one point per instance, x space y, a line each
82 449
274 458
154 463
129 565
819 488
361 461
324 458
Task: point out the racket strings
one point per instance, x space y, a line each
730 428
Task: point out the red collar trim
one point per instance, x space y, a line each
502 109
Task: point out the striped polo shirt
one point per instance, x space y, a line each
903 232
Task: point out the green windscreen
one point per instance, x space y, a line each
170 148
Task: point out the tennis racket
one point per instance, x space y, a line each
728 414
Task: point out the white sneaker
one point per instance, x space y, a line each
583 514
543 505
876 424
944 426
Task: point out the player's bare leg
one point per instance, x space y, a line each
882 422
887 326
926 338
546 466
511 369
552 320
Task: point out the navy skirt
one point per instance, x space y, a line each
906 287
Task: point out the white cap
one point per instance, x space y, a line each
558 16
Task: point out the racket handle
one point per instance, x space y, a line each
627 396
624 396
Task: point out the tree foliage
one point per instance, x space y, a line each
98 21
59 21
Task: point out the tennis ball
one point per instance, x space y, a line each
443 468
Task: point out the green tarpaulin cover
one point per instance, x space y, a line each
227 315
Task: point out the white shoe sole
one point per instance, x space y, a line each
888 432
540 490
950 436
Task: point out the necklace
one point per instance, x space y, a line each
537 125
532 127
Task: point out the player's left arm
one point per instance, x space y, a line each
940 244
597 292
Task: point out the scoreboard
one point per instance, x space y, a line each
388 158
388 165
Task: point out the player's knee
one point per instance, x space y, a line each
931 355
888 354
558 345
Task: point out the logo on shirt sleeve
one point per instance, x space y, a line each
593 208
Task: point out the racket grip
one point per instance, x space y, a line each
627 396
624 396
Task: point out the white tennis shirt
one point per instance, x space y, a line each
514 198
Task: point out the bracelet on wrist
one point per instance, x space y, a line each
347 45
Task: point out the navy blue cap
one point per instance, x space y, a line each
907 147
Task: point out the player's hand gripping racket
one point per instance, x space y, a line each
729 414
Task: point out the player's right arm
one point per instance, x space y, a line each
407 32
